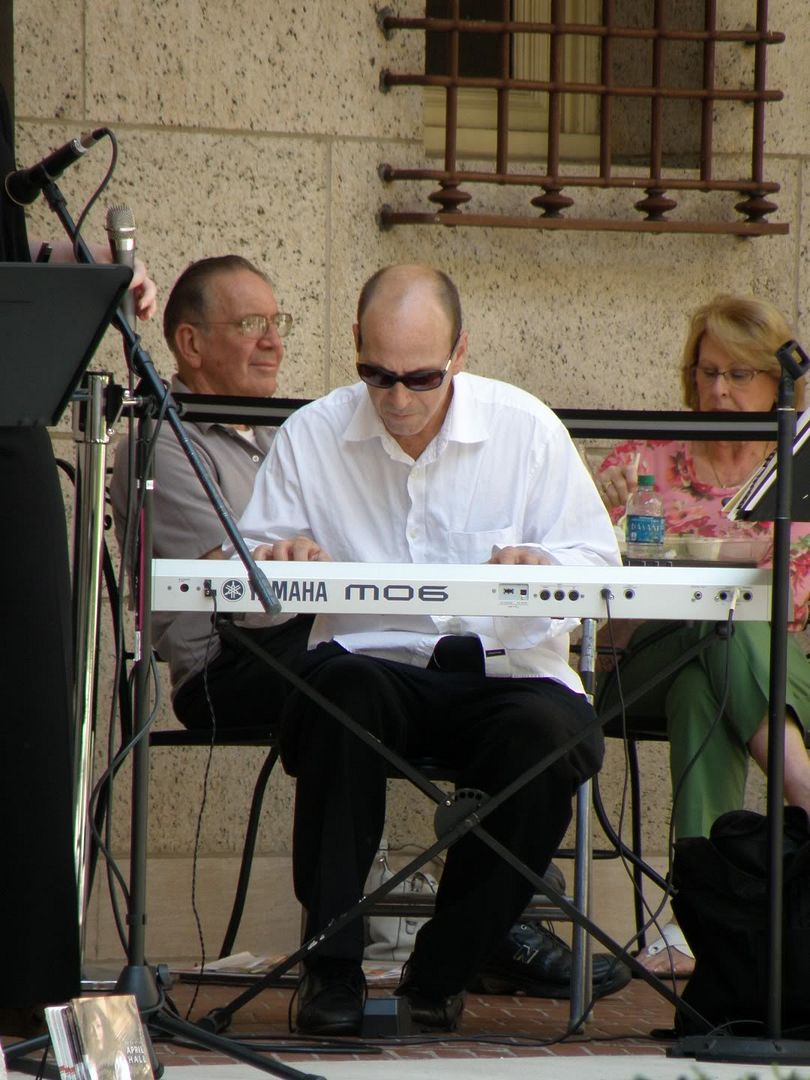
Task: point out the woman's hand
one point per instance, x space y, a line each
145 291
616 484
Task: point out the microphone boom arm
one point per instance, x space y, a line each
24 185
142 363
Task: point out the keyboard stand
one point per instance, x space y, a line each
454 819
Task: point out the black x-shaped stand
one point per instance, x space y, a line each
453 819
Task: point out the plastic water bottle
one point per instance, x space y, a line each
645 521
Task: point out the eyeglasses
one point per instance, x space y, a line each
736 376
255 326
382 379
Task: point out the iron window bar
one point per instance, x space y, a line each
451 201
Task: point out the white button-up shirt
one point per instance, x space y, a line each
501 471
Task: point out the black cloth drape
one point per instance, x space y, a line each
39 934
13 241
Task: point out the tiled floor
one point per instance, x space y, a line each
493 1027
501 1038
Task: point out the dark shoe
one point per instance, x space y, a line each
429 1011
331 996
532 960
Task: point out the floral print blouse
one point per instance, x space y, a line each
693 507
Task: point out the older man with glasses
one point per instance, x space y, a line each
224 328
420 462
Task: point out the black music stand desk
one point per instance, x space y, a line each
52 318
756 500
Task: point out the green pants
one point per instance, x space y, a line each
686 706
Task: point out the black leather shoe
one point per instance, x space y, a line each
429 1011
532 960
331 996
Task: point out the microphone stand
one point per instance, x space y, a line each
138 978
772 1047
91 434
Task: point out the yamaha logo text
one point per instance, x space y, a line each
315 592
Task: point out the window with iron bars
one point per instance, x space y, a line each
479 56
622 95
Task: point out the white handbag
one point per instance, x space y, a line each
392 937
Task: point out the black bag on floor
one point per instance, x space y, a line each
721 904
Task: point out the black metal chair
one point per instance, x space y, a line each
410 905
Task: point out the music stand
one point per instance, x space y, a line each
51 321
770 495
756 499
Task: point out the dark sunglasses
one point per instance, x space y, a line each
382 379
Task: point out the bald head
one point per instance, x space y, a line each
409 323
411 286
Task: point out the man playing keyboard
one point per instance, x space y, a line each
426 464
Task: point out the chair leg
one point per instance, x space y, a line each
581 974
638 875
248 850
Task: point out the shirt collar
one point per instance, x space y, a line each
465 421
261 430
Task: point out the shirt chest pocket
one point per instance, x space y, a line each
476 547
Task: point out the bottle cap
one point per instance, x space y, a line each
646 480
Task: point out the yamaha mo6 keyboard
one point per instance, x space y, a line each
623 592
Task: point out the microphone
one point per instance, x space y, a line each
120 226
24 185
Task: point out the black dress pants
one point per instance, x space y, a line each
489 730
238 689
39 918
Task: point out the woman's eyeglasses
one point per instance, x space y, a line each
739 376
382 379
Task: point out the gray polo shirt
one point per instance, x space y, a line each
185 524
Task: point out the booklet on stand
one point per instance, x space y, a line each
99 1038
756 499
